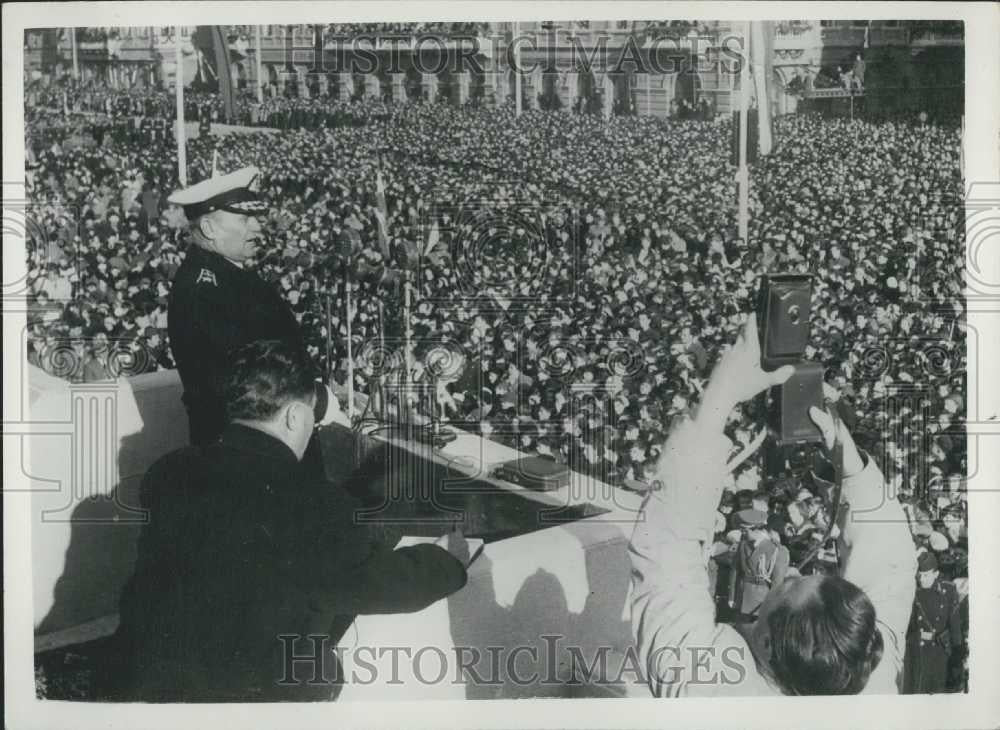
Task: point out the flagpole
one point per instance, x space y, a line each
350 352
406 315
517 70
181 135
260 75
744 172
382 355
729 76
329 338
72 45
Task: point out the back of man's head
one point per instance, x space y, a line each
264 377
826 642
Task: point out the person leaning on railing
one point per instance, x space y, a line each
814 634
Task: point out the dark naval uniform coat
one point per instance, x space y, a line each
216 307
935 631
240 548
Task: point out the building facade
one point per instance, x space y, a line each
652 67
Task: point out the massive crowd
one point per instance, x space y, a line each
568 251
107 107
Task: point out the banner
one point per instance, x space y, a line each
608 100
762 63
382 216
214 71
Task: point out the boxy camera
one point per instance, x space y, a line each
783 312
784 308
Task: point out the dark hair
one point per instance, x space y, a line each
265 376
828 644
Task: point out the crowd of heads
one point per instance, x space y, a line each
580 274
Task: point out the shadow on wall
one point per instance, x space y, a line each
568 651
532 619
103 528
85 538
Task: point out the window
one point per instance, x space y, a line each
890 23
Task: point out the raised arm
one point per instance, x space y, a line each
683 649
881 558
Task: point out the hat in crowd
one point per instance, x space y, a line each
926 561
938 541
234 193
751 518
777 523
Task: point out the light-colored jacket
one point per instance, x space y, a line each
682 648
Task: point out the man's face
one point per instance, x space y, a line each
233 235
926 578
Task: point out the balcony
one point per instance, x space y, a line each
546 568
937 39
888 36
843 36
785 29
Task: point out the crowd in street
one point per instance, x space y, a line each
547 251
107 108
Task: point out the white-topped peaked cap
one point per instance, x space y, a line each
235 192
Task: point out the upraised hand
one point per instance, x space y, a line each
738 375
834 430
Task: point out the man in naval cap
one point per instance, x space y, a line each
217 305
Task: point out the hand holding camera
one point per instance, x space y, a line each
739 375
770 359
834 431
785 307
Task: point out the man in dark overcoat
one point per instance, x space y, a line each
248 562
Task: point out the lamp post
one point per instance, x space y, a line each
179 89
744 172
517 72
76 62
260 76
